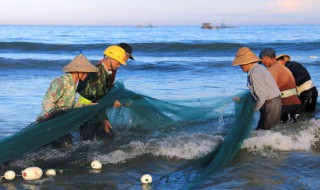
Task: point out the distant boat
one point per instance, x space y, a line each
222 25
208 25
147 26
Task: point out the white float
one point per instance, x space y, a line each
146 178
9 175
32 173
95 164
51 172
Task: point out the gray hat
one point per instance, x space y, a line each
80 64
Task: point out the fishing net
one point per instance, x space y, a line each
224 153
38 134
227 150
140 112
144 113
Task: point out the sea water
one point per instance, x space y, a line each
176 64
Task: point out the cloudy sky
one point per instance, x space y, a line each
159 12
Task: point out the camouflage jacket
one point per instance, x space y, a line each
96 85
60 95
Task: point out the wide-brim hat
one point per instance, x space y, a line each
244 56
284 56
80 64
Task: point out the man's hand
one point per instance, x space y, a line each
117 104
236 99
107 126
46 115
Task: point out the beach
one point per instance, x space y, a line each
181 65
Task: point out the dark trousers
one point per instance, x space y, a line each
93 129
289 114
64 141
308 100
270 114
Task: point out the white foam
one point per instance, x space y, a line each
183 146
130 151
301 138
186 146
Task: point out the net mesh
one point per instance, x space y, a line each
239 127
142 113
227 150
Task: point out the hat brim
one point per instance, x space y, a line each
284 56
246 63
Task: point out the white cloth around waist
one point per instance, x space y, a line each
289 92
305 86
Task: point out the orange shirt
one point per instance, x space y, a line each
285 81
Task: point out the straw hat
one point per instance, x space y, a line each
284 56
80 64
244 56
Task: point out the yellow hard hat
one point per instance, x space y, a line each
116 53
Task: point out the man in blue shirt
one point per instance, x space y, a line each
262 86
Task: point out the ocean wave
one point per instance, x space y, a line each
183 146
293 137
46 62
47 47
169 48
7 64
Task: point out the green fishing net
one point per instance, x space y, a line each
240 124
240 130
139 112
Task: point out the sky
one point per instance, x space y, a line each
159 12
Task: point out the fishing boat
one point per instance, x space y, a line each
145 26
208 25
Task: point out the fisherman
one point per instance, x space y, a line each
97 85
306 90
291 104
262 87
61 94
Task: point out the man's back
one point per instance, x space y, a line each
299 72
285 81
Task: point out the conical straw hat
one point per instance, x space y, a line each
244 56
284 56
80 64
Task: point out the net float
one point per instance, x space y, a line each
32 173
51 172
9 175
96 164
146 178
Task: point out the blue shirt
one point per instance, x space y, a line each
262 85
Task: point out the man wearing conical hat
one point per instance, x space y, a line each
306 90
262 87
291 104
97 85
62 91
